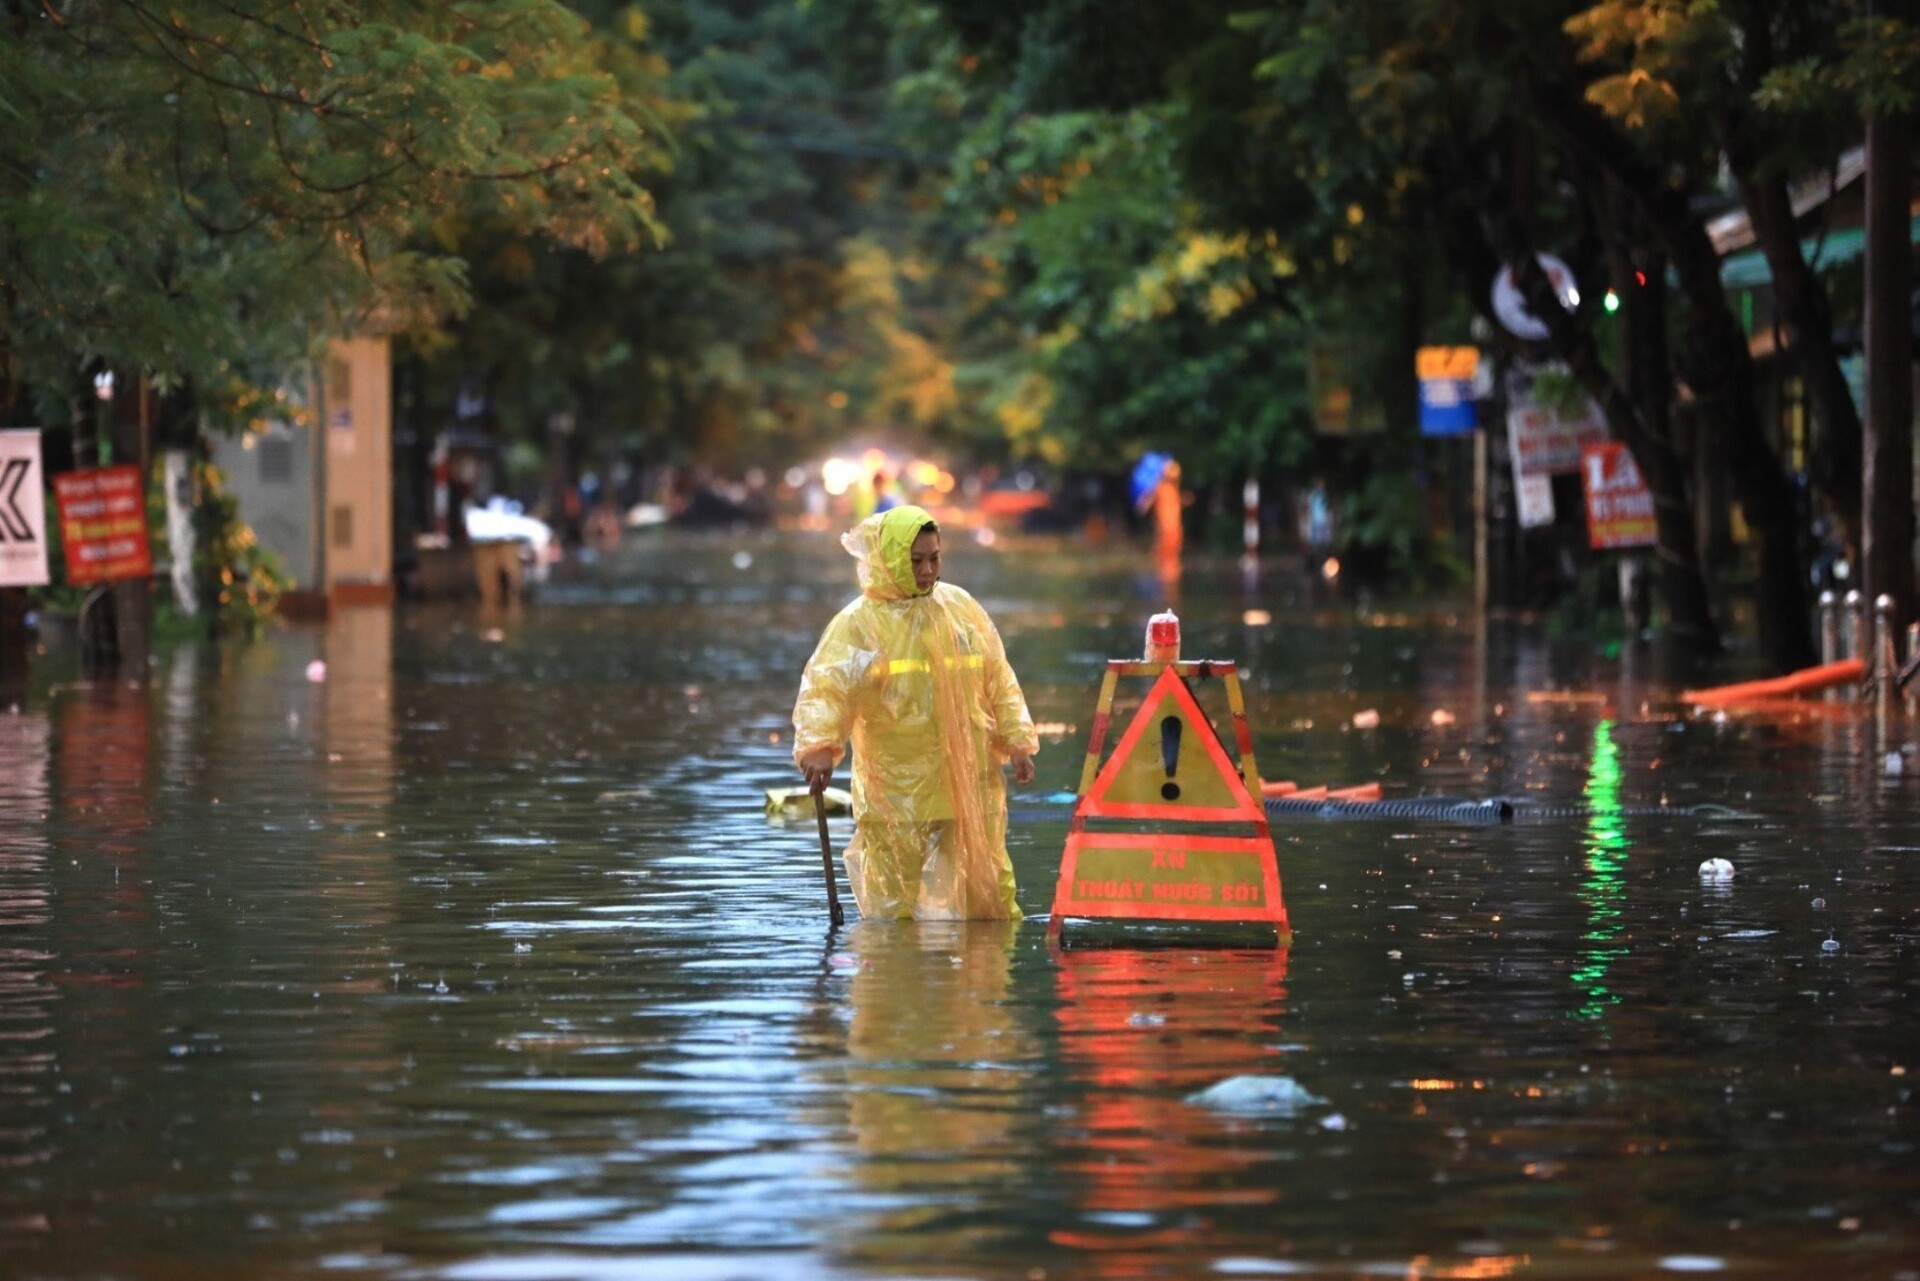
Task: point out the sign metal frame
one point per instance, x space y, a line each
1170 874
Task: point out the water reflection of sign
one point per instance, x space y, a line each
1140 1033
23 780
1619 508
1170 768
1446 389
103 524
23 510
107 781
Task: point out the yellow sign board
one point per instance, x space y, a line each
1170 764
1456 363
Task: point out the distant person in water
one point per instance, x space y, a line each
914 673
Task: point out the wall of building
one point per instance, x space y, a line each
319 494
358 406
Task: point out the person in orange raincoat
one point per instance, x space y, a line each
914 673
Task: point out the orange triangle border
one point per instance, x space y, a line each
1244 810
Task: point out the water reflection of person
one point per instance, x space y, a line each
930 1100
914 673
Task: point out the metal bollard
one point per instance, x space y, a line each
1912 691
1853 625
1830 627
1882 665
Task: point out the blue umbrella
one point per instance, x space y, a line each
1146 478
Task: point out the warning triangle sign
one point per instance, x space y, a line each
1170 764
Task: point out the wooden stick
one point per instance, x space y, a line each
826 861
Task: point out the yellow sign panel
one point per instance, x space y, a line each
1170 767
1170 876
1457 363
1170 764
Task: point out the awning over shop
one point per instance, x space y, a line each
1749 270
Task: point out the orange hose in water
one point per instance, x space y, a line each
1811 678
1363 792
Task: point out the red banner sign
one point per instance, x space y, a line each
103 524
1619 507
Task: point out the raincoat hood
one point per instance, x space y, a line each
883 544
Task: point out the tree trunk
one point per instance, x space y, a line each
1887 548
1720 373
1806 325
132 597
1689 614
16 643
1804 310
1640 278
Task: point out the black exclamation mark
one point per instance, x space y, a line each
1170 755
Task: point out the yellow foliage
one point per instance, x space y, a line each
1223 298
1636 98
1024 413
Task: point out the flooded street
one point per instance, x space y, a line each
480 958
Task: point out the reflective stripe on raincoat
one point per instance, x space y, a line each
921 684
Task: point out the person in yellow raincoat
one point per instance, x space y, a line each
914 673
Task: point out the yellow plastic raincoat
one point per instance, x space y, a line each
920 682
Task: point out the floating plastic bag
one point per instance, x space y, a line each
797 802
1257 1096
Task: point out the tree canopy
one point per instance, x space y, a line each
743 230
191 190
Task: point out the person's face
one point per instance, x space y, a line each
926 560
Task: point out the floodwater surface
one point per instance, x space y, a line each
476 955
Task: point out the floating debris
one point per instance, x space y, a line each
797 802
1257 1096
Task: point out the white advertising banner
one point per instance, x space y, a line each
23 510
1536 501
1544 443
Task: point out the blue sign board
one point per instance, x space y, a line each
1447 407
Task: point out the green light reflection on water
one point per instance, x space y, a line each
1604 889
